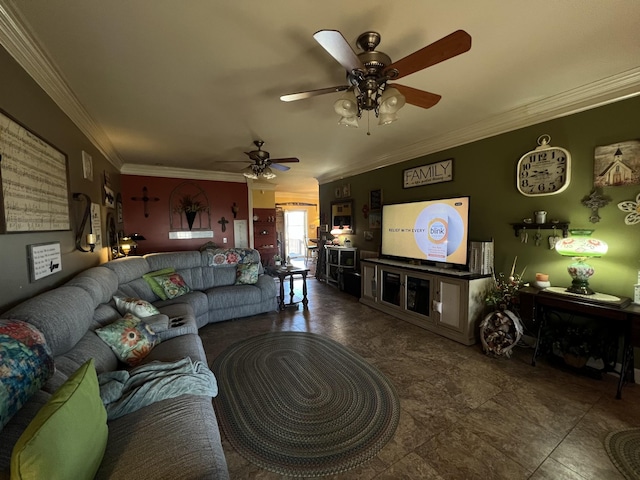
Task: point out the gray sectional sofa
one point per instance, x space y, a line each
175 438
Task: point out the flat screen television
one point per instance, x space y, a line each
430 231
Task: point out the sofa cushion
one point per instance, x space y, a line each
99 282
68 436
230 256
247 274
130 338
157 289
136 306
172 284
26 364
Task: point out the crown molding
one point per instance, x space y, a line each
602 92
185 173
22 44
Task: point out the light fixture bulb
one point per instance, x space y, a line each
250 173
391 101
268 173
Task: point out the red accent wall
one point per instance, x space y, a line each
156 226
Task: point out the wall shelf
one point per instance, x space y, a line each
564 226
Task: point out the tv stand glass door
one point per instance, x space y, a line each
411 292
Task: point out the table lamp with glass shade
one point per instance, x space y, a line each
581 245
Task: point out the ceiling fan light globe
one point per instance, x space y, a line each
346 107
249 173
268 173
391 100
349 121
387 118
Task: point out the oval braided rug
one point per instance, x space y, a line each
623 448
301 405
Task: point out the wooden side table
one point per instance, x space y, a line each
282 274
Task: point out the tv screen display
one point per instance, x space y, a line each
430 230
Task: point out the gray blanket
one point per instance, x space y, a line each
123 392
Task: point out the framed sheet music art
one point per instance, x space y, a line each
33 175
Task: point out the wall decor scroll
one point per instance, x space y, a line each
33 175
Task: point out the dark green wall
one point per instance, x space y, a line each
485 170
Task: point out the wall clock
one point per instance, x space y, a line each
543 171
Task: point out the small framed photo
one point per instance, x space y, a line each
109 197
375 200
87 166
346 190
338 192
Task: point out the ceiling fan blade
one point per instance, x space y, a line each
277 166
312 93
285 160
448 47
334 43
416 97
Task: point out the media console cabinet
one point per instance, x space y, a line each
445 301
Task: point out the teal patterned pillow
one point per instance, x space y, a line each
172 285
247 274
136 306
130 338
26 364
157 289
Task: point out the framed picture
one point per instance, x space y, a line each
346 190
87 166
32 198
375 220
109 197
338 192
617 164
375 200
119 208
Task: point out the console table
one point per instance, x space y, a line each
621 318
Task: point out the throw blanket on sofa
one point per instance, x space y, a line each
123 392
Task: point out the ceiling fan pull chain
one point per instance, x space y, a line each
368 121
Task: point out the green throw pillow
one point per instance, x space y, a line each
247 274
172 284
130 338
157 289
68 436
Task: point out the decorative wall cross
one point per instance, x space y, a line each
145 198
595 201
223 221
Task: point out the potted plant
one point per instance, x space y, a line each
191 207
277 260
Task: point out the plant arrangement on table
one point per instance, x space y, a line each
502 329
190 207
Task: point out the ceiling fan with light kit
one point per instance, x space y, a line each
369 72
263 165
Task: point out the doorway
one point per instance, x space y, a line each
295 234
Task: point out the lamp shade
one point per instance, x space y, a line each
581 244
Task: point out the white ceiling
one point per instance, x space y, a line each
161 86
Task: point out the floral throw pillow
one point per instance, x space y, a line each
173 285
247 274
26 364
148 277
130 338
136 306
229 256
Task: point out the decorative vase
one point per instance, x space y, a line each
500 331
191 216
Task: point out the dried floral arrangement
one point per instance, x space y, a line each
504 292
188 204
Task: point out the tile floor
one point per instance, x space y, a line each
464 415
